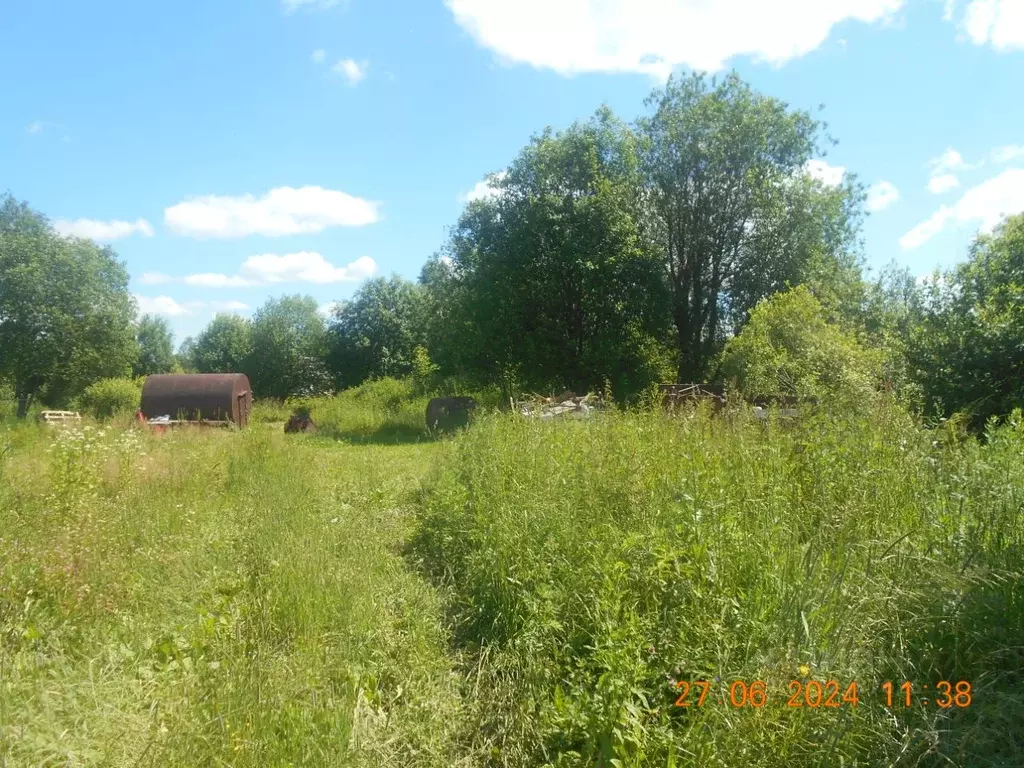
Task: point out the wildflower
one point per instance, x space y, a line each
804 670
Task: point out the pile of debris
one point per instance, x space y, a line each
300 422
568 405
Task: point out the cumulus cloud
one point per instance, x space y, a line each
168 307
326 310
301 267
484 189
942 174
832 175
1008 153
290 6
353 71
986 204
228 306
882 195
999 23
102 230
942 183
215 280
281 211
155 278
655 36
304 267
161 305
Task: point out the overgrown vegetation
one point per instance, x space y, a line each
526 593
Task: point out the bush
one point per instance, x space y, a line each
109 397
789 349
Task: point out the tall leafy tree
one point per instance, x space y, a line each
156 346
66 316
289 349
967 349
224 346
376 332
559 284
734 217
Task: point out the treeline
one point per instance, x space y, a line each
691 245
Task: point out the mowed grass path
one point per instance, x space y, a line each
215 598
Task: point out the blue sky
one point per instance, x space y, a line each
239 149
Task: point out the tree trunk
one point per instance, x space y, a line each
24 401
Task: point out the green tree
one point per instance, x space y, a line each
734 217
375 333
788 349
66 316
967 349
224 346
156 346
289 349
557 285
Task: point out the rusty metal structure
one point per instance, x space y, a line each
219 398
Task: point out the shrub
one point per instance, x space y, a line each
109 397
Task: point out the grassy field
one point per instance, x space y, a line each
523 594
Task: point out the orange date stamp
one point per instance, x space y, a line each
828 694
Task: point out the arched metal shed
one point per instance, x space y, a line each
198 397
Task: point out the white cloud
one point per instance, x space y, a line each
483 189
161 305
155 278
290 6
942 177
1007 153
35 127
301 267
214 280
987 204
999 23
281 211
352 70
102 230
168 307
228 306
305 267
882 195
942 183
655 36
319 55
326 310
831 175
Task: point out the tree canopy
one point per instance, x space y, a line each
66 317
289 349
156 346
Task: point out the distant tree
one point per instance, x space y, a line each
289 349
224 346
554 282
375 333
156 346
65 310
184 358
789 349
733 215
967 350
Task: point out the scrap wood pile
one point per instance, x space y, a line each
568 405
678 394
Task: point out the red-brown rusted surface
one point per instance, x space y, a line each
196 397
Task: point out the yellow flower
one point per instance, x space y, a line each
804 670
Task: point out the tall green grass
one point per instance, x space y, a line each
590 566
211 597
524 594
